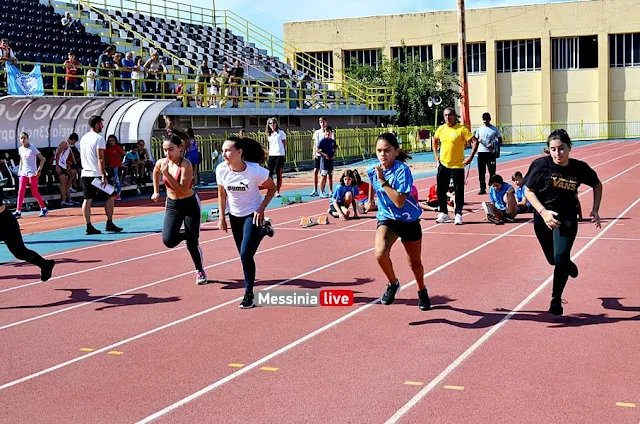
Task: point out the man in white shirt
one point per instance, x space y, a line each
490 139
317 136
92 154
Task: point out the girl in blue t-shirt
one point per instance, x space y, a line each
398 216
503 205
344 196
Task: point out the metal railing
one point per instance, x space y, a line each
167 9
276 94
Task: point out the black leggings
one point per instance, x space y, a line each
442 180
247 237
556 245
187 211
10 234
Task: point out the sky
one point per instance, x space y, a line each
271 14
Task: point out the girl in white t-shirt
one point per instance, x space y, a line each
277 150
239 179
28 173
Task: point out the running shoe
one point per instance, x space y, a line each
112 227
423 300
47 269
389 295
247 301
201 278
43 212
268 227
555 306
443 218
458 220
17 214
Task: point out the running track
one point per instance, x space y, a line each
122 333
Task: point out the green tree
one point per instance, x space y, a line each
413 83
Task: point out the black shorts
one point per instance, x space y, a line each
63 171
276 163
407 231
316 163
93 193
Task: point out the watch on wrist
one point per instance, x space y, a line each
384 183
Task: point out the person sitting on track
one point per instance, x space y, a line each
432 204
363 192
344 196
398 216
502 206
522 204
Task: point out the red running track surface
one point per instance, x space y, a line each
163 348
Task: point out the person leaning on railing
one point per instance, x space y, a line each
156 70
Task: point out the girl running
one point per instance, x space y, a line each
552 185
10 234
344 196
182 205
28 173
398 216
239 180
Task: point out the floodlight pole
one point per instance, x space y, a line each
462 66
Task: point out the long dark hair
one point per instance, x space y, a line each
349 173
559 134
391 139
252 151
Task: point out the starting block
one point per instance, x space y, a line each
307 221
211 216
286 200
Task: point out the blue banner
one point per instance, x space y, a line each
20 84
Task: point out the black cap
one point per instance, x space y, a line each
94 120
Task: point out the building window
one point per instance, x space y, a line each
412 53
369 57
575 52
624 50
476 57
518 55
319 64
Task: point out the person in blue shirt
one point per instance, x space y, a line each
502 206
344 196
522 204
398 216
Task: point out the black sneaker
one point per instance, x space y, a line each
509 218
47 269
573 270
92 230
494 219
389 295
247 302
556 306
112 227
482 191
423 300
268 227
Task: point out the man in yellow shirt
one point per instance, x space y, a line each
452 138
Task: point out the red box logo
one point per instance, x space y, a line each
336 297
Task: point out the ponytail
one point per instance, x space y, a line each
252 151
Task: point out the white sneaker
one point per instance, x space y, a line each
458 220
443 218
485 208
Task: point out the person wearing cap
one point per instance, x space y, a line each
92 148
490 139
451 137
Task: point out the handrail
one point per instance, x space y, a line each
262 94
193 14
